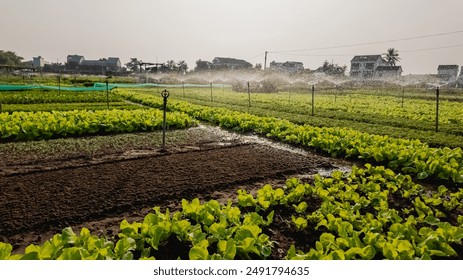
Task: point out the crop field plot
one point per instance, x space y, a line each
281 183
42 196
407 114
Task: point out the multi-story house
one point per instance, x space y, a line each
447 72
288 67
364 66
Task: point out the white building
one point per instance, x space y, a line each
388 71
447 72
38 62
364 66
288 67
230 63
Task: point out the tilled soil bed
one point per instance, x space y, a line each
99 193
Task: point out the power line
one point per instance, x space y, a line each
436 48
405 51
370 43
314 55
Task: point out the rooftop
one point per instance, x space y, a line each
447 67
364 58
388 68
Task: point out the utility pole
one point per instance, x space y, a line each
265 61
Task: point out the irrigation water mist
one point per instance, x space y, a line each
295 81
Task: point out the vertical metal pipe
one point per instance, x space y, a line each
249 96
164 94
107 94
403 95
313 97
437 109
211 91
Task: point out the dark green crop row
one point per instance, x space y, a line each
48 107
39 96
449 135
408 156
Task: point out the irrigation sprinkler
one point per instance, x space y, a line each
249 96
107 90
211 91
164 95
313 97
59 83
403 95
437 109
183 88
289 93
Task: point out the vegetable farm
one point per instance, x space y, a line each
244 175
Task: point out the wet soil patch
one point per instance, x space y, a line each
99 194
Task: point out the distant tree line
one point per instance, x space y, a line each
170 66
332 69
10 58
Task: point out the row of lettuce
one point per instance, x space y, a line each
344 106
54 96
370 213
37 115
45 125
449 135
407 156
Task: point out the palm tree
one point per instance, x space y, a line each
391 57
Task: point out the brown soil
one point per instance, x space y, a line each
38 200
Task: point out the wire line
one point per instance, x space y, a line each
370 43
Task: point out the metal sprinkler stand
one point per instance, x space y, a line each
59 83
249 96
164 95
107 90
437 109
313 97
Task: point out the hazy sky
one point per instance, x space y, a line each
161 30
